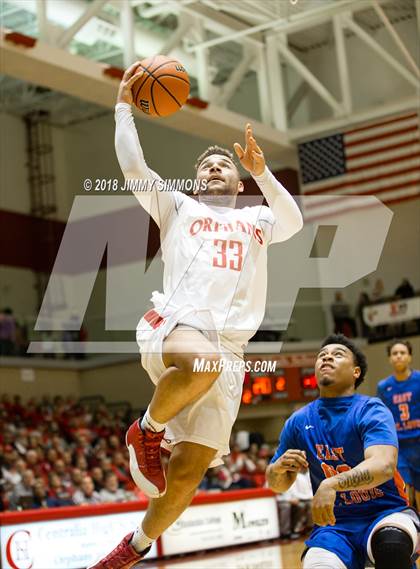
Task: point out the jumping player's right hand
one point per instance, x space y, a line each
293 460
129 78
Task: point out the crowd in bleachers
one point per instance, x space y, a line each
59 452
62 452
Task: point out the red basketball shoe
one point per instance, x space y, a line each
145 464
123 556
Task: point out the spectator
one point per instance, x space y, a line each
61 469
98 478
83 337
58 492
363 301
87 493
7 332
220 478
405 289
12 474
295 507
241 467
252 452
70 336
22 495
33 462
114 442
50 458
239 463
77 476
121 469
22 340
35 438
81 462
101 445
40 498
112 493
59 445
343 322
21 441
265 452
106 465
67 459
378 292
258 476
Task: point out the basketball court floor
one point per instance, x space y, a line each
268 555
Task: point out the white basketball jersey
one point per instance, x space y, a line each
215 258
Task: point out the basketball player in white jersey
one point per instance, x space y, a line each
213 301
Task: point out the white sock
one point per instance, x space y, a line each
140 541
148 423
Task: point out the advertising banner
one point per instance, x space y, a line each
392 312
219 525
65 544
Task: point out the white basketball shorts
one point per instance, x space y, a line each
209 420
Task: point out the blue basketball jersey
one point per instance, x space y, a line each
403 400
334 432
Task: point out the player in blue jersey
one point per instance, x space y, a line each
401 394
350 444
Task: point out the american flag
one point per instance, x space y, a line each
380 159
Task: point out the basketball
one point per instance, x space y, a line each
163 87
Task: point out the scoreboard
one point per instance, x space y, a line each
292 381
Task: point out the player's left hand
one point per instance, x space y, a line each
323 505
252 158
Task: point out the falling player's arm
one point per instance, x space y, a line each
131 158
282 473
378 467
287 216
377 432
